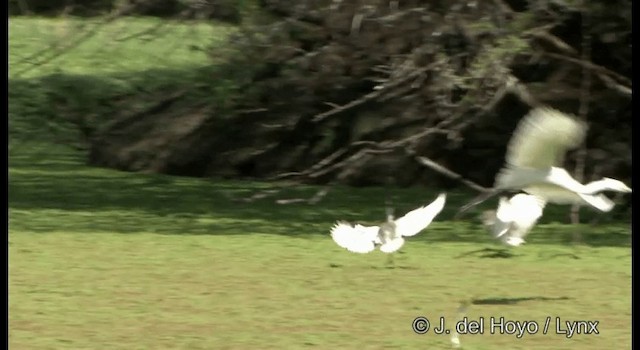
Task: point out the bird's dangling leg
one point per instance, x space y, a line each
476 201
390 261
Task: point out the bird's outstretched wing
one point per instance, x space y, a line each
418 219
542 138
356 239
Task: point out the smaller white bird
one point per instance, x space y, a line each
514 218
389 235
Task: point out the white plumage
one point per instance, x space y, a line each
514 218
534 162
389 235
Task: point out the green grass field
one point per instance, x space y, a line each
101 259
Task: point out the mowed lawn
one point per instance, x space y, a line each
101 259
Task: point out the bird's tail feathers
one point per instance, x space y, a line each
514 241
392 245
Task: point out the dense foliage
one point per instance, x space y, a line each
352 91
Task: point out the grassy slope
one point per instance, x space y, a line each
122 46
103 259
95 78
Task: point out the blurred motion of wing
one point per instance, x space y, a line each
533 162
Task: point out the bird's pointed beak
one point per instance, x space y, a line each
389 211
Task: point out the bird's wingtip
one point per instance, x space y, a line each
341 223
441 199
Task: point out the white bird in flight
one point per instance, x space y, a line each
514 218
534 158
389 235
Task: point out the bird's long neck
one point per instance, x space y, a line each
596 186
387 229
604 184
562 178
388 209
389 218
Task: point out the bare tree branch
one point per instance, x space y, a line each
626 82
449 125
444 171
372 95
601 72
613 85
554 41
